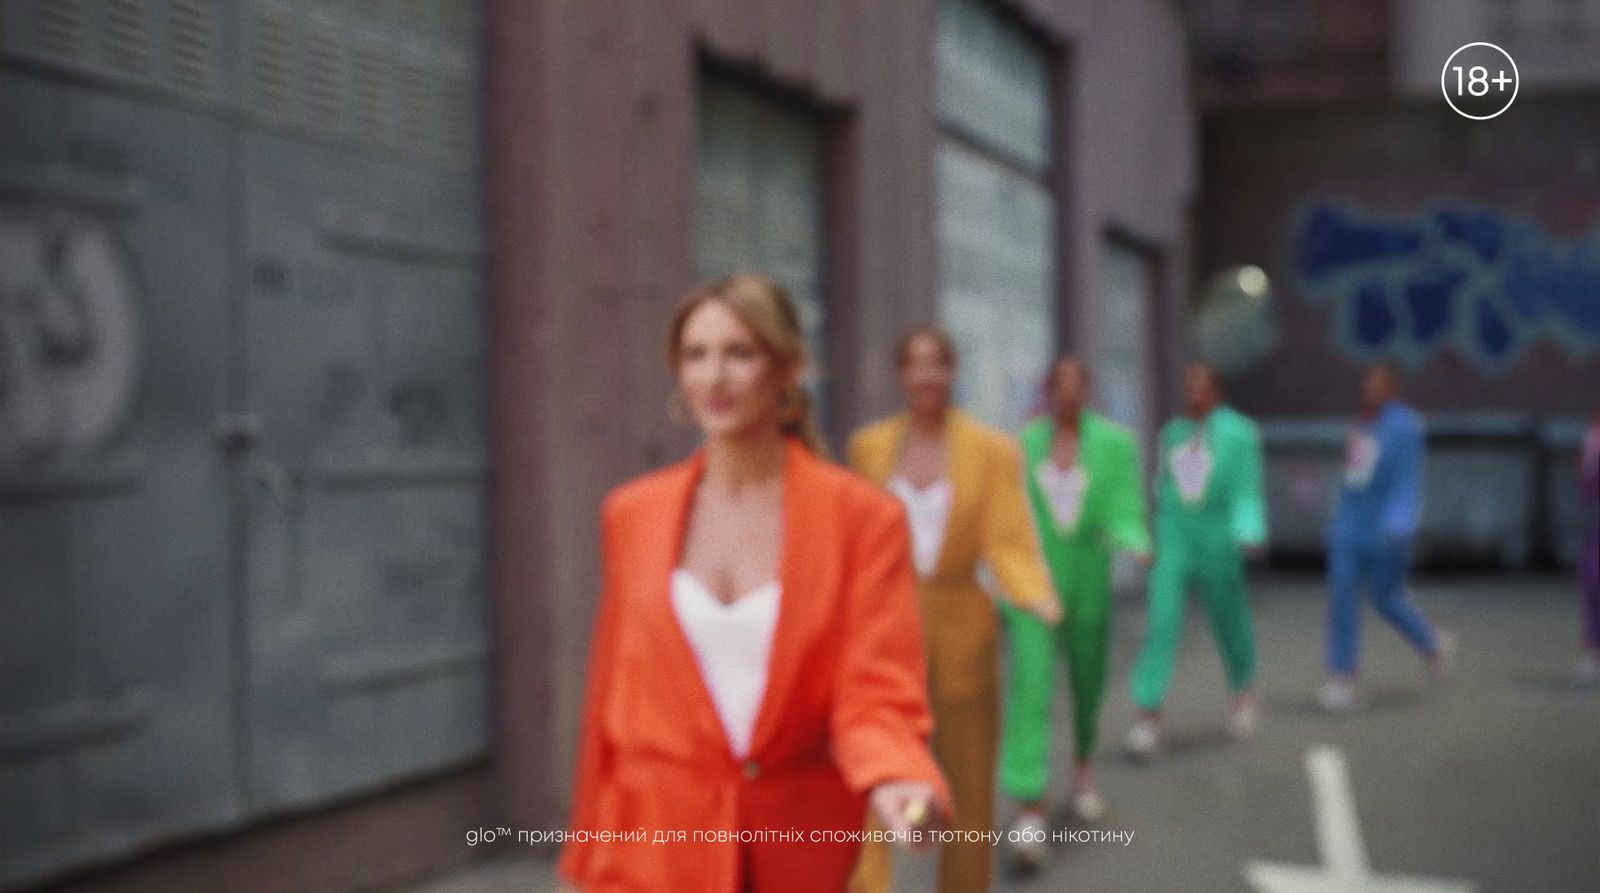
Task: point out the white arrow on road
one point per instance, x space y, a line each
1344 858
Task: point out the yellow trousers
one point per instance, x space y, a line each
960 629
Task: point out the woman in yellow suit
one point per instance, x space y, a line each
961 483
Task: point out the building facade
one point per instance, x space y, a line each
1466 252
1392 228
1556 43
316 375
1024 169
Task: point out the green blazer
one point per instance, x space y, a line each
1112 513
1229 490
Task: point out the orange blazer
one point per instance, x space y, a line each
845 708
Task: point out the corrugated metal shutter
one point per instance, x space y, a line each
759 195
996 213
994 83
1122 346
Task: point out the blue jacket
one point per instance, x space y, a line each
1380 499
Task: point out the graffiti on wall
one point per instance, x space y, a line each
1480 280
69 335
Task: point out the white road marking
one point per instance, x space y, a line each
1338 830
1345 868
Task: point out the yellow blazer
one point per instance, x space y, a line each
988 521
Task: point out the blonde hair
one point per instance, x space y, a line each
766 308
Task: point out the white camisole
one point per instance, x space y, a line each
732 645
928 511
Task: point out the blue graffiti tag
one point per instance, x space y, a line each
1485 281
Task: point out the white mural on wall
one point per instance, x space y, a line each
70 343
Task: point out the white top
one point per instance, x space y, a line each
1064 490
732 644
928 511
1360 458
1191 467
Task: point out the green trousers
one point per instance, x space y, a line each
1194 551
1082 642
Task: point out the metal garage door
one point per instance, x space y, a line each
241 456
117 671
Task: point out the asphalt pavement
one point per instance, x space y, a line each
1489 781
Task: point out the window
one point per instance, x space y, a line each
759 201
997 232
1121 347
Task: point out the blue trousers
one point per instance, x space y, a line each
1381 567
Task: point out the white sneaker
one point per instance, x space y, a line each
1143 740
1030 842
1089 806
1339 696
1587 670
1444 655
1242 719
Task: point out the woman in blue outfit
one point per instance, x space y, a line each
1369 540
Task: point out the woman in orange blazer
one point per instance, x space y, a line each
962 483
757 669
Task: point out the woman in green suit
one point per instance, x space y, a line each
1083 479
1209 517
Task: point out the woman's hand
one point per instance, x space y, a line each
1047 609
905 806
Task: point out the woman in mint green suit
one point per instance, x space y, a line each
1209 516
1083 479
